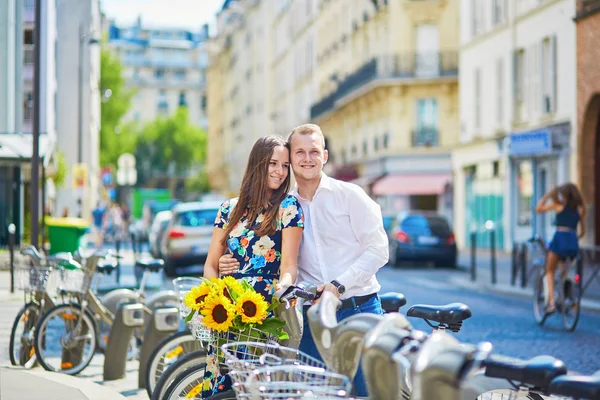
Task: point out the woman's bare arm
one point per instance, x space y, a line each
290 245
216 250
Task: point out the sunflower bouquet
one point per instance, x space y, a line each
228 305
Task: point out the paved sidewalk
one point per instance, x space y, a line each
483 278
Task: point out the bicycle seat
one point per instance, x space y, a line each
392 301
538 371
152 264
576 386
450 315
31 251
105 268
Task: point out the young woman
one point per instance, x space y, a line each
262 229
567 202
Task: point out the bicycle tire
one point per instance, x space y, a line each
177 387
539 299
182 364
27 356
185 340
40 338
570 300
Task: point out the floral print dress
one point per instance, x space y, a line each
259 258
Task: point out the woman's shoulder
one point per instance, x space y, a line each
289 201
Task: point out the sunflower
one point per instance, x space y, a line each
252 307
218 313
194 299
233 285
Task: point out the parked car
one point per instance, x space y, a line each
157 230
422 237
188 234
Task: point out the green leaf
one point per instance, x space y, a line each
273 322
190 315
274 304
282 335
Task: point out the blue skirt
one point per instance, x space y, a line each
565 244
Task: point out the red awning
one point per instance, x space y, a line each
402 184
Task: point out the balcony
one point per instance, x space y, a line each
425 137
587 7
391 70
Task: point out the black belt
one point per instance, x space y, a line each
358 301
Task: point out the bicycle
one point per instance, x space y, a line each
568 287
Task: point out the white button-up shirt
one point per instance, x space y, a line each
343 238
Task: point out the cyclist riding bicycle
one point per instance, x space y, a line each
567 201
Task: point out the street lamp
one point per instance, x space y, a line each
83 38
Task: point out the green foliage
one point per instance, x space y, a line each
61 170
198 183
113 108
169 141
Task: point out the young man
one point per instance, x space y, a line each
343 244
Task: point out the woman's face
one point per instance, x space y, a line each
279 166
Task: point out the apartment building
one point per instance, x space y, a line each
517 113
166 67
239 87
17 20
587 26
387 76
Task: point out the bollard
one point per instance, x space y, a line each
165 322
523 265
493 255
118 251
514 263
128 317
473 255
11 243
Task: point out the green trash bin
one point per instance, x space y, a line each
66 234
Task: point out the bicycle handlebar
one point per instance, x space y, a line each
294 292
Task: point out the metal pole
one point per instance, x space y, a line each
473 256
514 263
11 243
35 155
43 221
118 251
493 254
80 115
524 265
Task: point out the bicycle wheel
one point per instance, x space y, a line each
21 347
182 364
508 394
58 347
187 385
570 302
166 353
539 298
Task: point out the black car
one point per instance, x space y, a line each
422 237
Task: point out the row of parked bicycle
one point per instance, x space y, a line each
63 323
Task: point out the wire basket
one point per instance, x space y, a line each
244 357
233 338
76 280
199 330
182 287
297 381
34 278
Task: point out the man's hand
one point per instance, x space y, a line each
326 287
228 265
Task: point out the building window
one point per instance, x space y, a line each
28 107
500 92
163 104
203 102
477 98
182 100
28 37
376 143
159 74
525 193
427 118
548 69
365 147
519 83
386 140
496 169
498 11
180 74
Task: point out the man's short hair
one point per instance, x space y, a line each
306 129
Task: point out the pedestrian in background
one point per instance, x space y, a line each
98 224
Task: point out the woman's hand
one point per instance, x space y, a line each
228 265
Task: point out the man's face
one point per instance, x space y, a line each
308 156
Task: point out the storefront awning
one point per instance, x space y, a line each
404 184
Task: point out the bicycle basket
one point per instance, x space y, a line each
33 278
74 280
297 381
182 287
244 357
219 339
199 330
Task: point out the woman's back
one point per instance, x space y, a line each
568 218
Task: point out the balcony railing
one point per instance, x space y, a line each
28 56
396 67
425 137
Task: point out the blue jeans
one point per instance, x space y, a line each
307 344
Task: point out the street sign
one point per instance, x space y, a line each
531 143
106 176
79 173
126 160
127 177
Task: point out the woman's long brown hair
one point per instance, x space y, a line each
254 195
571 196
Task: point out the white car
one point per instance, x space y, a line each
161 220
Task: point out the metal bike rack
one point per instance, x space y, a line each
128 317
165 322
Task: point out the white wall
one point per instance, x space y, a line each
8 86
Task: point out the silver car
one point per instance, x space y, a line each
160 223
187 237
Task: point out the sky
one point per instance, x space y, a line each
189 14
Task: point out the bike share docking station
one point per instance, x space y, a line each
165 321
127 319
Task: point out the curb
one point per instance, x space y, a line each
70 385
525 293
